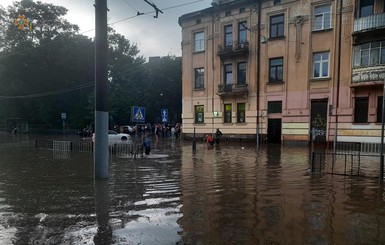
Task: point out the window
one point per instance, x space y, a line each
241 73
242 32
277 26
242 10
228 13
321 65
274 107
227 115
199 78
241 112
229 36
322 17
199 114
276 2
199 41
361 110
369 54
228 76
366 7
379 109
276 70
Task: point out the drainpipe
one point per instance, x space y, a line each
338 81
259 64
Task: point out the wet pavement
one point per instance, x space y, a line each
232 194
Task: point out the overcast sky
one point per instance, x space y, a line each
154 37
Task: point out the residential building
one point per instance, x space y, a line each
280 70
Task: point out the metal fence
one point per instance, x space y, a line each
350 158
61 148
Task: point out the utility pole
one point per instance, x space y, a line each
381 176
101 91
338 82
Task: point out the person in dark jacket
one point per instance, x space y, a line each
218 135
146 145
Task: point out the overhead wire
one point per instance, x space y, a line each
75 88
111 23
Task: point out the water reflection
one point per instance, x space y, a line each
227 195
102 206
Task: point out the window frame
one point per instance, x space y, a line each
241 73
320 64
199 42
228 36
228 73
227 113
199 78
199 113
277 27
274 107
363 54
241 113
362 7
359 115
242 32
324 18
276 69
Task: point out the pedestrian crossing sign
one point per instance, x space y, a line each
164 115
138 114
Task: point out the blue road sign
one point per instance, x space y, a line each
138 114
164 115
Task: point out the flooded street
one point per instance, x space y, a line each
232 194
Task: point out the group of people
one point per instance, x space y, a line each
217 136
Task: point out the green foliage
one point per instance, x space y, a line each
50 69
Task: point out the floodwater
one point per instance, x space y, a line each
232 194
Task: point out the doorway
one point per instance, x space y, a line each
274 131
318 120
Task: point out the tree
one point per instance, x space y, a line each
50 57
49 69
164 82
125 76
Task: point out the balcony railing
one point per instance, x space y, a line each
368 74
233 89
234 50
372 22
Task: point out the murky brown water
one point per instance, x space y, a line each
227 195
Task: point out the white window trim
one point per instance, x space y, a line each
323 18
321 62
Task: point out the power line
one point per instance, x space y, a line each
62 91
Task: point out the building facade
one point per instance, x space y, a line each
281 70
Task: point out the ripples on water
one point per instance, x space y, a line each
228 195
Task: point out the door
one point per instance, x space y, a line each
274 130
318 120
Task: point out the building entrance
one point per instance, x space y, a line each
274 130
318 120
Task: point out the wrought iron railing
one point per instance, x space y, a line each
368 74
369 22
240 48
233 88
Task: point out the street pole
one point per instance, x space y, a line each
101 91
258 69
382 136
338 83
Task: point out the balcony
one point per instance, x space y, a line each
369 23
233 89
235 50
366 76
